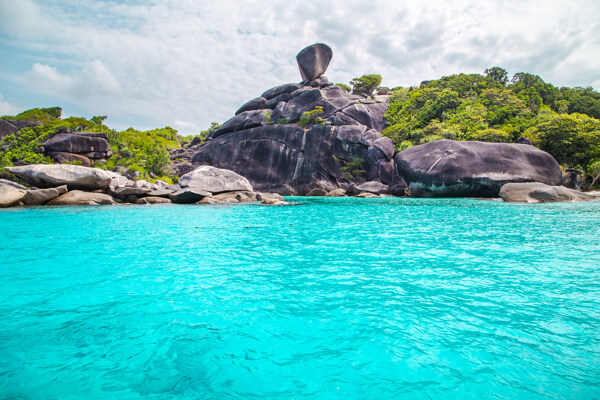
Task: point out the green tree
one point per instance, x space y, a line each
98 119
498 74
573 139
344 86
594 170
366 84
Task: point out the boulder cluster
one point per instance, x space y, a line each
83 147
58 184
307 137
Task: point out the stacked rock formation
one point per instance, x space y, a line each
266 143
85 147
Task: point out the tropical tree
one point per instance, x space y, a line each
366 84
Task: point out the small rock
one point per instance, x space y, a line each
152 200
317 192
337 193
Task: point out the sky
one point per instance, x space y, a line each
187 63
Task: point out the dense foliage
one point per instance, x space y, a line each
563 122
146 152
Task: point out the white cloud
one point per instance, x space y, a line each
186 127
6 108
149 64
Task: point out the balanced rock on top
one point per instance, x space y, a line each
314 60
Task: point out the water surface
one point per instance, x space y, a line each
332 299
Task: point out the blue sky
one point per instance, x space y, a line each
186 63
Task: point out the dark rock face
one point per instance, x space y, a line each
63 158
281 89
255 104
76 143
314 60
446 168
274 156
572 179
265 143
524 140
12 126
84 146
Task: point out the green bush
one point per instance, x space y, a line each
311 117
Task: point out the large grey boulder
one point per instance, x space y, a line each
535 192
13 126
314 60
10 195
77 143
80 198
215 180
258 103
281 89
446 168
40 197
74 176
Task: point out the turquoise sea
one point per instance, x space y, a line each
335 298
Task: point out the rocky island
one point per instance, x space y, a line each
311 138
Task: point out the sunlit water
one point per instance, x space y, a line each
331 299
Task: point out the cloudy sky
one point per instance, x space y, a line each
186 63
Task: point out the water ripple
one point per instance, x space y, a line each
331 299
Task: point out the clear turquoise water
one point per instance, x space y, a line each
332 299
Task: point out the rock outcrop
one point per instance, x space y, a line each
86 147
52 175
270 143
13 126
314 60
446 168
535 192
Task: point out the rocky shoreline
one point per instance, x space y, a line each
311 138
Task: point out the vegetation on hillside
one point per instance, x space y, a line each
489 107
564 122
146 152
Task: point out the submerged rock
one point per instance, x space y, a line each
52 175
535 192
446 168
